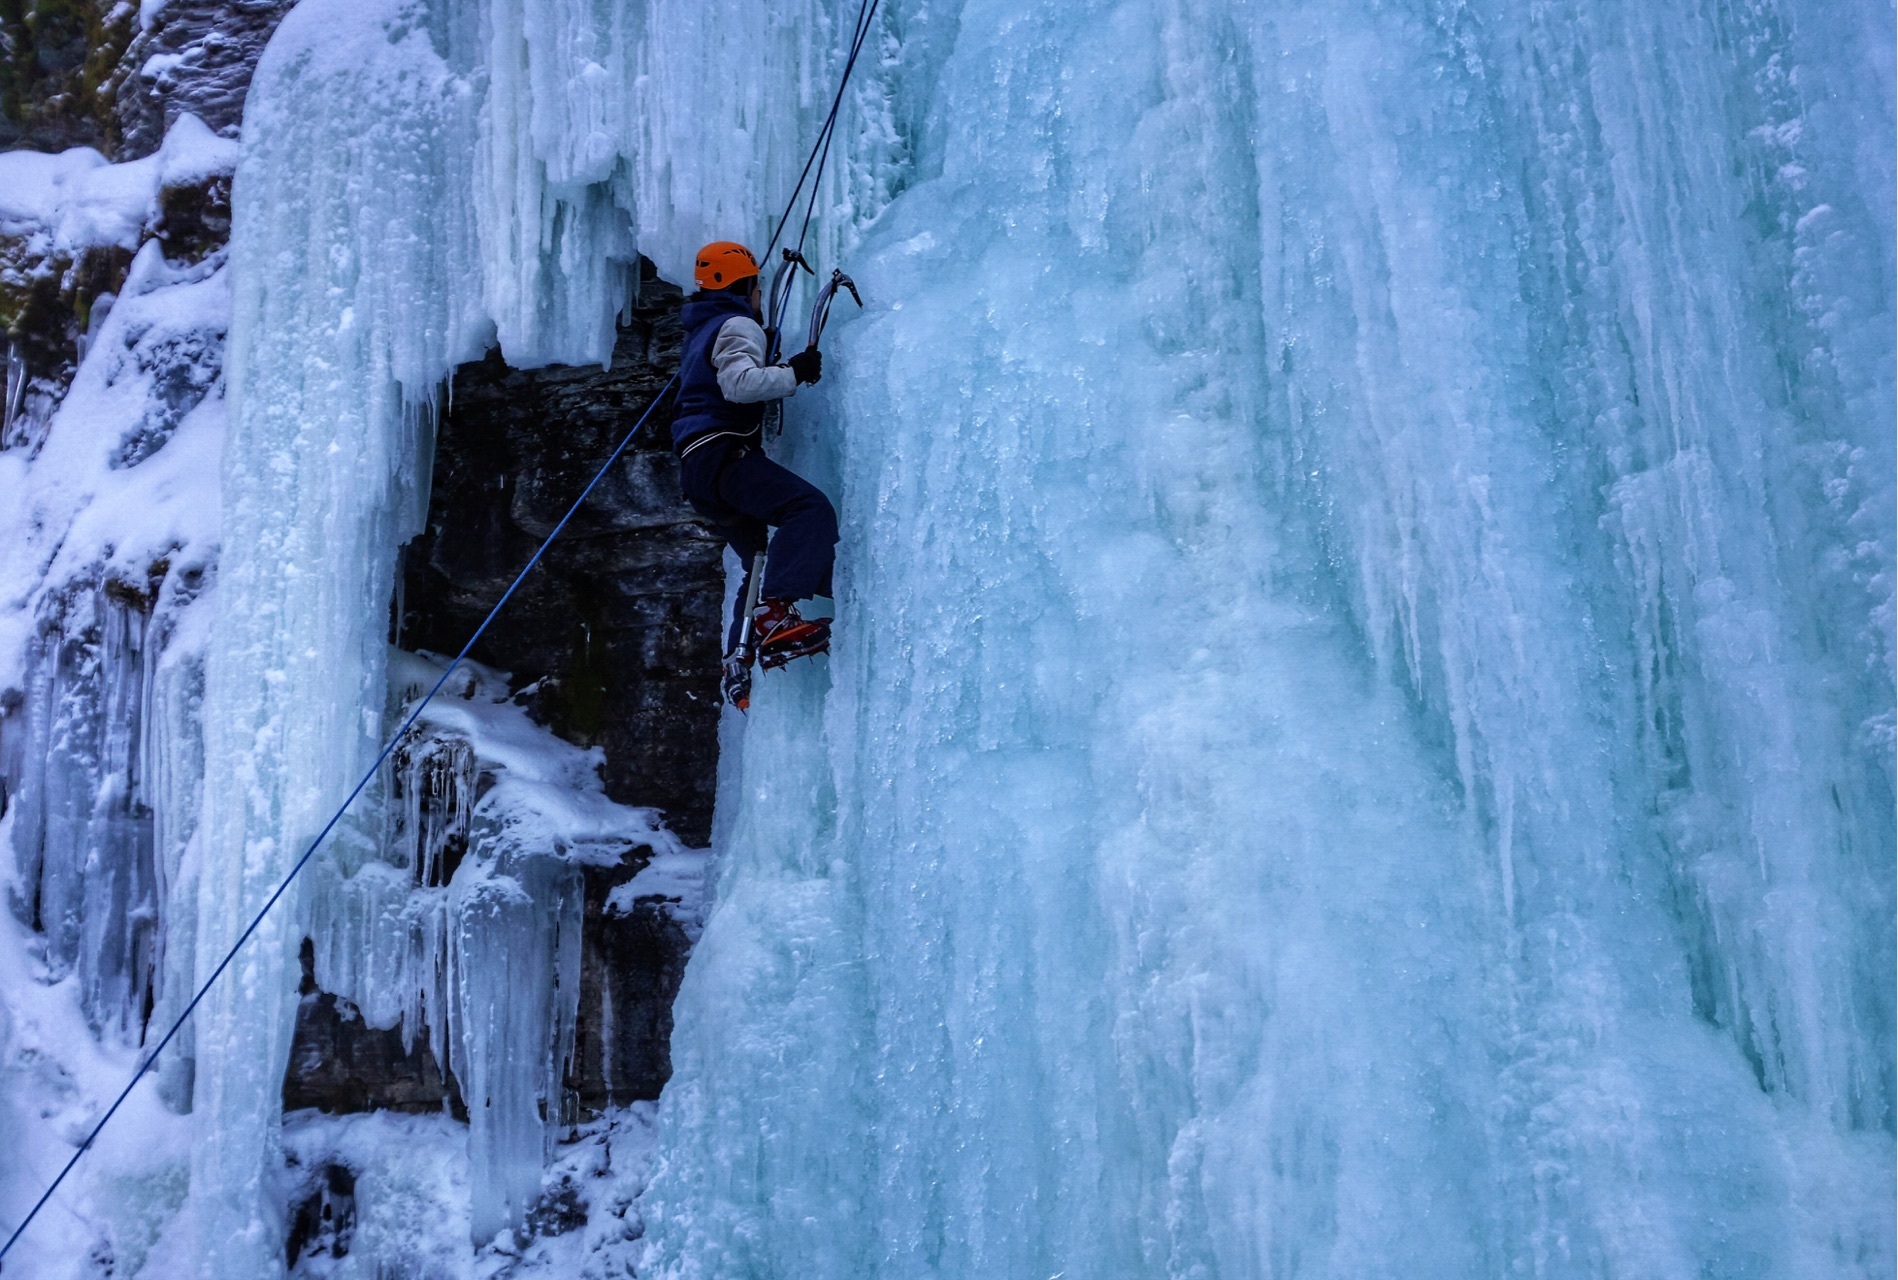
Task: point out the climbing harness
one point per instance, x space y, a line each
145 1062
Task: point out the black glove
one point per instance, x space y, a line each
807 365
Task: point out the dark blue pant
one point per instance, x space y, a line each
735 486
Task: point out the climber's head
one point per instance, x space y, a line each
724 265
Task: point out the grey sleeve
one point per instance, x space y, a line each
744 377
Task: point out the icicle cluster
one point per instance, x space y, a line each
462 922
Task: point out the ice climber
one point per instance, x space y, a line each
718 433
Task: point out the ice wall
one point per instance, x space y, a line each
419 181
342 317
1360 738
1359 735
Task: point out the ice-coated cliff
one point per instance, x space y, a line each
1360 736
465 914
1359 739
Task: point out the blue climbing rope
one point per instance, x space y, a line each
786 278
866 14
145 1064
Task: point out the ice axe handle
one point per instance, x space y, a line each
820 310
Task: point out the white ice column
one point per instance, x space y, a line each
353 297
552 192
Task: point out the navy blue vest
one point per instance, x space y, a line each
702 407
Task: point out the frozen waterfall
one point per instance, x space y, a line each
1360 735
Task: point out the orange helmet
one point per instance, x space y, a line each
722 264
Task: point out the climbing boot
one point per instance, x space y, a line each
781 634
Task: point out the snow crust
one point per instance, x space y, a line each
75 200
410 1199
111 529
76 197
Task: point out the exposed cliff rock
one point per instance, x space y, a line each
48 298
85 73
631 964
613 640
616 629
60 64
339 1063
197 57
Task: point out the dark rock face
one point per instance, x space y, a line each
614 638
630 969
323 1218
616 632
618 626
194 220
339 1063
197 56
46 308
81 73
59 65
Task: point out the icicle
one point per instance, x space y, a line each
82 837
16 391
515 956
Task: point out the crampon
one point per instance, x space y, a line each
808 646
774 635
783 636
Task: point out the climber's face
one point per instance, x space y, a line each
756 298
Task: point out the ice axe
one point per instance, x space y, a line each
737 683
781 282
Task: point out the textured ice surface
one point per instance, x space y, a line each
109 530
342 311
1359 736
